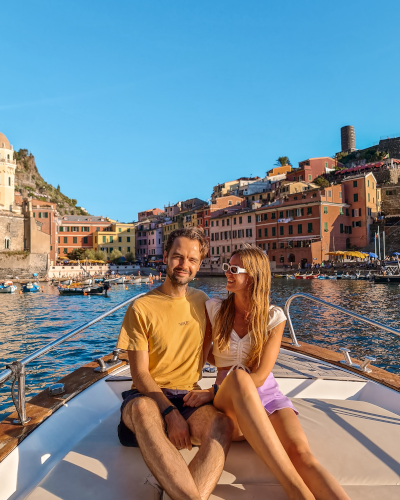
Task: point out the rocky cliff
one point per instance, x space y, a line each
28 180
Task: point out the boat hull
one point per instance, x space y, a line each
29 289
97 290
387 279
8 289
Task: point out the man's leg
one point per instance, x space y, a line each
212 431
142 416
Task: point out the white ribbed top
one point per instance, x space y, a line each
239 348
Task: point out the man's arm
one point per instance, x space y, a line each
178 429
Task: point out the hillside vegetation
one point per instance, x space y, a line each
27 177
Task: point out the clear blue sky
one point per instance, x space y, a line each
129 105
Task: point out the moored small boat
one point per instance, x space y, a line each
85 290
7 287
120 280
31 287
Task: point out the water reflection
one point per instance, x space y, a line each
30 321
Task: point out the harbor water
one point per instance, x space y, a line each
30 321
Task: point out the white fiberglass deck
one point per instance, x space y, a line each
351 423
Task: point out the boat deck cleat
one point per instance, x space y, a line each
364 365
347 360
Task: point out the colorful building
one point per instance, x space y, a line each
283 169
305 227
77 231
149 213
361 193
7 174
155 247
118 236
312 168
229 229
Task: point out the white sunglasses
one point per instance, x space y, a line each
233 269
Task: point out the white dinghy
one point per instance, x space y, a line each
68 446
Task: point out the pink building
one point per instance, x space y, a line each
155 241
229 229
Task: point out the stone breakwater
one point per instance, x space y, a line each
23 265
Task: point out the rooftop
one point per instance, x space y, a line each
4 142
83 218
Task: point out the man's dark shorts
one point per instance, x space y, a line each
127 437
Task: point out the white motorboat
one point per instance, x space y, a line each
118 281
7 287
350 412
145 279
86 281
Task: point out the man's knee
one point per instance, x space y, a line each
221 428
138 411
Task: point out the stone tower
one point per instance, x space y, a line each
348 138
7 174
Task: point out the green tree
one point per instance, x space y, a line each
115 256
130 257
282 161
100 255
77 254
89 254
58 188
321 181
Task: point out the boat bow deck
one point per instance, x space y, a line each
356 440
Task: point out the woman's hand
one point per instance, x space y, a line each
197 398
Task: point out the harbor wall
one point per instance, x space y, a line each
71 271
23 265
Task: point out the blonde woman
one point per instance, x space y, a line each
246 332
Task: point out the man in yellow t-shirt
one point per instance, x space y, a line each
164 333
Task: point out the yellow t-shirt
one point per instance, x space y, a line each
172 331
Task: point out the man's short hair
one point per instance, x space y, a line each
192 233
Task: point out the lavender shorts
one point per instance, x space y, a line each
271 397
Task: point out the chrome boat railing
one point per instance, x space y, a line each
347 361
17 369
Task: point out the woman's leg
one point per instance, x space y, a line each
321 482
238 398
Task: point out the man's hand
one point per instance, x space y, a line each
178 430
197 398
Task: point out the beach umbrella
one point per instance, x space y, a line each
396 253
371 254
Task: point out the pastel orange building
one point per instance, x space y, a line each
76 231
361 193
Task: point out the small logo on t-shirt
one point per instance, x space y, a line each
183 323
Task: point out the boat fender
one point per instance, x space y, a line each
20 292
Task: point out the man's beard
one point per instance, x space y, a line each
178 280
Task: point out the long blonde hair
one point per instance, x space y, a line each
256 264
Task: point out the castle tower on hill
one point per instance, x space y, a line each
348 138
7 173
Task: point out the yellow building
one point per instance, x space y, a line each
189 219
120 237
7 174
167 229
283 169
